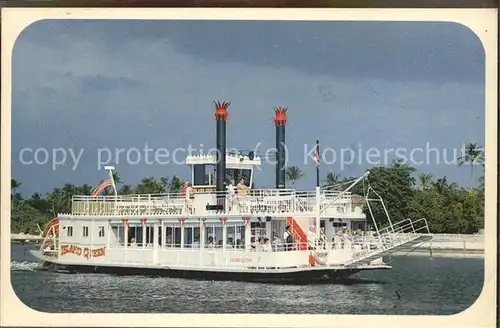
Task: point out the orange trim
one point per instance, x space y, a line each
52 223
312 260
280 116
299 235
221 110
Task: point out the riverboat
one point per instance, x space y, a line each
221 228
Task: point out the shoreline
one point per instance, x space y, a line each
451 253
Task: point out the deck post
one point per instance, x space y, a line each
125 237
163 234
202 234
143 223
318 210
181 221
224 233
155 235
248 233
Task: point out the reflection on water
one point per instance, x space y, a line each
415 285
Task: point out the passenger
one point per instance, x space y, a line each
189 198
343 238
196 243
311 238
287 236
242 188
260 245
267 245
133 243
210 242
230 195
276 243
253 243
239 243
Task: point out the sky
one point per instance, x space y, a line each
84 88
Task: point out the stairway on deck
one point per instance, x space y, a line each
405 244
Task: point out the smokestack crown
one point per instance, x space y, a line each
280 116
221 110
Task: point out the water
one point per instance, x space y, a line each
438 286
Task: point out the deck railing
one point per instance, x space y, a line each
174 204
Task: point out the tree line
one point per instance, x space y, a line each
39 209
407 194
448 207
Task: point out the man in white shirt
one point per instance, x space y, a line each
311 238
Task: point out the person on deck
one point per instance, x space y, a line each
230 195
311 238
242 188
189 193
287 236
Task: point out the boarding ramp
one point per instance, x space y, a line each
405 235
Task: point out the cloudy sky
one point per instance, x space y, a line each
80 86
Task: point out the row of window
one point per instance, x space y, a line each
85 230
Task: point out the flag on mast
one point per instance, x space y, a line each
317 159
316 156
101 187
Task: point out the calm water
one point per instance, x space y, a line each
426 286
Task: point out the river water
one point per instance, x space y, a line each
439 286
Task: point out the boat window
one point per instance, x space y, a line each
69 231
173 235
203 175
85 231
235 175
235 235
191 235
101 231
213 234
149 234
135 232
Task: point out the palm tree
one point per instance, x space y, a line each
440 184
14 185
425 180
332 179
473 154
117 178
293 173
125 190
481 183
175 185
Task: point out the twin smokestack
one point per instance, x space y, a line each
221 121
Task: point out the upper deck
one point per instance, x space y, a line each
257 202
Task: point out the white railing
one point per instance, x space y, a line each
256 201
396 235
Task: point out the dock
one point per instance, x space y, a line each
21 237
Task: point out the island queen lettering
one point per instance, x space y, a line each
87 252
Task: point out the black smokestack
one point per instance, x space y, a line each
221 118
280 123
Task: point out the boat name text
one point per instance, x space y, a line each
87 252
241 259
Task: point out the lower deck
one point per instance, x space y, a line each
224 244
320 275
